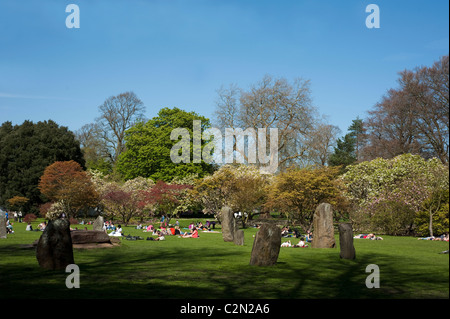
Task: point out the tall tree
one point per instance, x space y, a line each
25 151
118 114
428 88
149 145
358 132
347 149
67 183
271 103
94 149
391 127
413 118
321 143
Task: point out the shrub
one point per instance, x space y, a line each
29 218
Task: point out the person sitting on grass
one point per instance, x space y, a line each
178 231
309 236
160 236
149 228
117 232
202 227
193 234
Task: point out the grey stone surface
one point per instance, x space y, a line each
89 236
346 241
228 224
54 249
239 238
98 223
323 227
266 246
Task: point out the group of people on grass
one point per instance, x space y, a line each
40 227
368 236
301 244
160 233
287 232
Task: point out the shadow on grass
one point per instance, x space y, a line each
202 273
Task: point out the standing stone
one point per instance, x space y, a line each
266 246
346 241
2 225
98 223
54 249
323 227
239 238
228 224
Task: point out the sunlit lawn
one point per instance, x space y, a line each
209 268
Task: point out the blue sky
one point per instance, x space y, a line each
178 53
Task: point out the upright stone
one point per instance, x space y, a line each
323 227
266 246
228 224
346 241
98 223
239 238
54 249
2 225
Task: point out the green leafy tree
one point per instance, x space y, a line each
344 152
241 187
348 149
25 151
296 193
389 193
433 219
148 147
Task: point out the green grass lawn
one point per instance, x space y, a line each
209 268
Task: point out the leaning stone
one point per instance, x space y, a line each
54 249
266 246
323 227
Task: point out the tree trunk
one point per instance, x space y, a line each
431 224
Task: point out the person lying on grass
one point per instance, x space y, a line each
193 234
368 236
160 236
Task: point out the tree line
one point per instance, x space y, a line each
123 146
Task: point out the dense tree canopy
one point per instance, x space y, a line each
66 182
296 193
389 193
241 187
25 151
148 147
